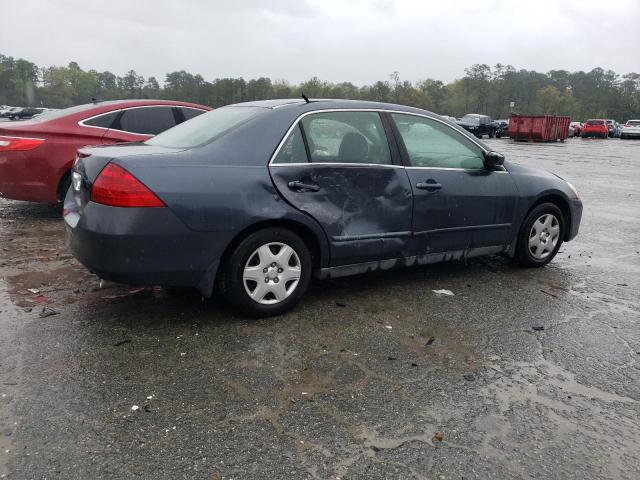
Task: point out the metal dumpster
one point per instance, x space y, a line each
538 128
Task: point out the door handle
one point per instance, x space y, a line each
298 185
429 185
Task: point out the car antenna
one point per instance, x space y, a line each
306 99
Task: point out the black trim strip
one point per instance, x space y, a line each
464 229
370 236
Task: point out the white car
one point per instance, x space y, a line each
630 129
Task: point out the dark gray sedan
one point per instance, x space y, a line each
254 198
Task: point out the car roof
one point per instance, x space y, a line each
328 103
80 112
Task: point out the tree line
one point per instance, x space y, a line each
483 89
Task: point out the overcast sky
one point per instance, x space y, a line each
350 40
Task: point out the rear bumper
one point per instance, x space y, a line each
25 176
140 246
576 217
634 134
594 133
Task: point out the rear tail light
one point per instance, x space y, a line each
118 188
19 144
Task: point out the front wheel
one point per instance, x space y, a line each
540 236
267 273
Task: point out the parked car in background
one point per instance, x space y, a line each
613 127
577 129
276 191
449 118
502 128
478 125
595 128
36 155
631 129
7 112
25 112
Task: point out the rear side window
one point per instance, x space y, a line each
293 150
433 144
147 120
346 137
205 128
190 113
103 121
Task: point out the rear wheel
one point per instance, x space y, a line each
63 186
267 273
540 236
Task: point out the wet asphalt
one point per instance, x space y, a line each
519 374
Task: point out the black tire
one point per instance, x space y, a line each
64 186
523 254
231 280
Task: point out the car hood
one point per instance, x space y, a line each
516 168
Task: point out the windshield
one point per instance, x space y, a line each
471 119
204 128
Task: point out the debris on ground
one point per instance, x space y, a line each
340 304
374 448
47 312
470 377
135 408
538 328
28 309
443 291
549 293
391 358
430 341
439 436
121 342
414 364
35 291
388 327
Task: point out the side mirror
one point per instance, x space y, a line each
493 160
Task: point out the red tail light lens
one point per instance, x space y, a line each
17 144
118 188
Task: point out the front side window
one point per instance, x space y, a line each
147 120
433 144
346 137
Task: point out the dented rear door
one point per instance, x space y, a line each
360 197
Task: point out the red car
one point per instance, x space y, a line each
36 155
595 128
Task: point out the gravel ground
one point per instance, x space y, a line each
520 374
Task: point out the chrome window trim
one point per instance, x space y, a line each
82 124
340 164
376 110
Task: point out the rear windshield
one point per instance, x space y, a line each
52 114
204 128
471 119
595 122
635 123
